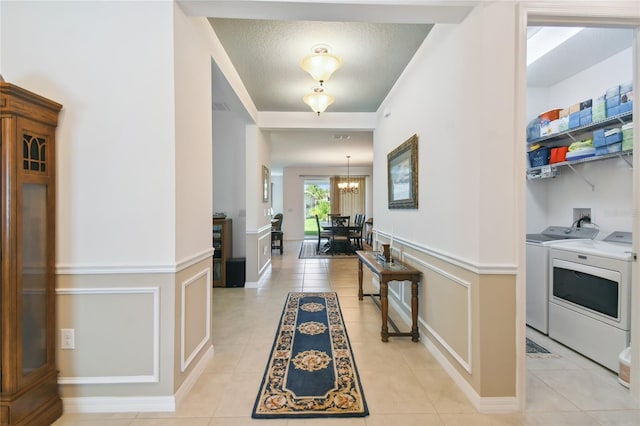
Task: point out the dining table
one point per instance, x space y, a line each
346 247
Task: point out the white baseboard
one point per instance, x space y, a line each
137 404
482 404
193 377
125 404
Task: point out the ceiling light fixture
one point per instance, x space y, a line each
348 186
318 100
321 64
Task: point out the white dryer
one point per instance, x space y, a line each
538 270
590 296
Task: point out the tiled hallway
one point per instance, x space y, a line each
403 383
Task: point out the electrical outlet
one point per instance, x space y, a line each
67 338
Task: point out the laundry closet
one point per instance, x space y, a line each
580 192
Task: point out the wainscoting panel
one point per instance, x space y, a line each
264 250
119 326
195 318
450 322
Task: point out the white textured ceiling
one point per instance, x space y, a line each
266 54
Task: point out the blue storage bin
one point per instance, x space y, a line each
612 102
625 107
539 157
585 112
613 91
613 111
533 129
598 138
533 132
585 120
615 138
574 120
609 149
626 87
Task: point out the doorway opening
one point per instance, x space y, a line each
585 101
317 201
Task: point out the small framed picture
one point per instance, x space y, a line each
265 184
402 165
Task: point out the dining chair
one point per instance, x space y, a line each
322 234
277 236
369 231
356 234
340 241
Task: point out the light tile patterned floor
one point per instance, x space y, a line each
403 383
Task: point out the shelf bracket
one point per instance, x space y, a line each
626 159
593 187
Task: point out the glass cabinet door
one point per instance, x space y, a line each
34 277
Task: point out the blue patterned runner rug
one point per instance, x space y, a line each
311 371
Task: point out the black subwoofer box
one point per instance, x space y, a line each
235 272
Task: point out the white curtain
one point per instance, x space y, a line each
348 203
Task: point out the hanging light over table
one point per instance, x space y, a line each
348 186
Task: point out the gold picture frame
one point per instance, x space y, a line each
402 174
265 184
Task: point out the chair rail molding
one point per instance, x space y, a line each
70 269
477 268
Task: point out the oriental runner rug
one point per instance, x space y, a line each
308 251
311 371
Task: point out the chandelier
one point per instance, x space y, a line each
348 186
319 100
320 64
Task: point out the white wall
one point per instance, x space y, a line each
257 155
229 173
116 168
193 138
466 140
130 76
551 201
293 194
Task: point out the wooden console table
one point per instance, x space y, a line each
390 272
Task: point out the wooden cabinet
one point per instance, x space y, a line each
28 374
222 245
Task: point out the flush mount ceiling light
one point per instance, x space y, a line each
318 100
321 64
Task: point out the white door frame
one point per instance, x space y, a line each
602 14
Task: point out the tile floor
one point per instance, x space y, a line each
403 383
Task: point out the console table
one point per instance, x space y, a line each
386 272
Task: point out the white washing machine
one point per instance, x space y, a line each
538 270
590 296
